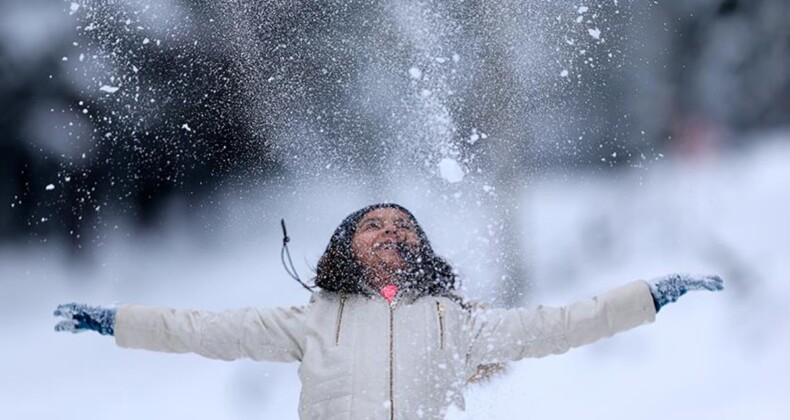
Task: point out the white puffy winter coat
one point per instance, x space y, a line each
363 358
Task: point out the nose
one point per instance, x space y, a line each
390 227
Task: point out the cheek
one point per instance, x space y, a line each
355 247
361 246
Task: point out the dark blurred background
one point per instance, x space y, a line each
207 91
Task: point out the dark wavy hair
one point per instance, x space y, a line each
339 271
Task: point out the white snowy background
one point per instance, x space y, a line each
716 356
619 180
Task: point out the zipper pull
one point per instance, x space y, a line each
440 312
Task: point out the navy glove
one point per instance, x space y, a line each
80 317
669 288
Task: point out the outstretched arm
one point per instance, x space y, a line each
511 334
273 334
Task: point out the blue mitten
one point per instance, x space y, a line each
669 288
80 317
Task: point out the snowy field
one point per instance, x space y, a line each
710 356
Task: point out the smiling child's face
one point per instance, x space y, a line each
379 235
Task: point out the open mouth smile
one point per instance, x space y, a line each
386 245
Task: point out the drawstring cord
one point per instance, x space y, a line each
284 252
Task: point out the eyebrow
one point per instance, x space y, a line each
369 218
378 219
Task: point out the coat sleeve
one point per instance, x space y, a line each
272 334
501 335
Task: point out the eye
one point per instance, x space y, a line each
371 224
403 224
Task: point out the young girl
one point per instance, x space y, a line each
386 336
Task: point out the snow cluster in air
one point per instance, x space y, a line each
451 170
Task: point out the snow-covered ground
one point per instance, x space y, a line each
716 356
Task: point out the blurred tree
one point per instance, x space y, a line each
139 125
727 68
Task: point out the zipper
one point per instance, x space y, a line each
339 318
392 364
440 313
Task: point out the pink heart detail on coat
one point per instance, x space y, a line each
389 292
